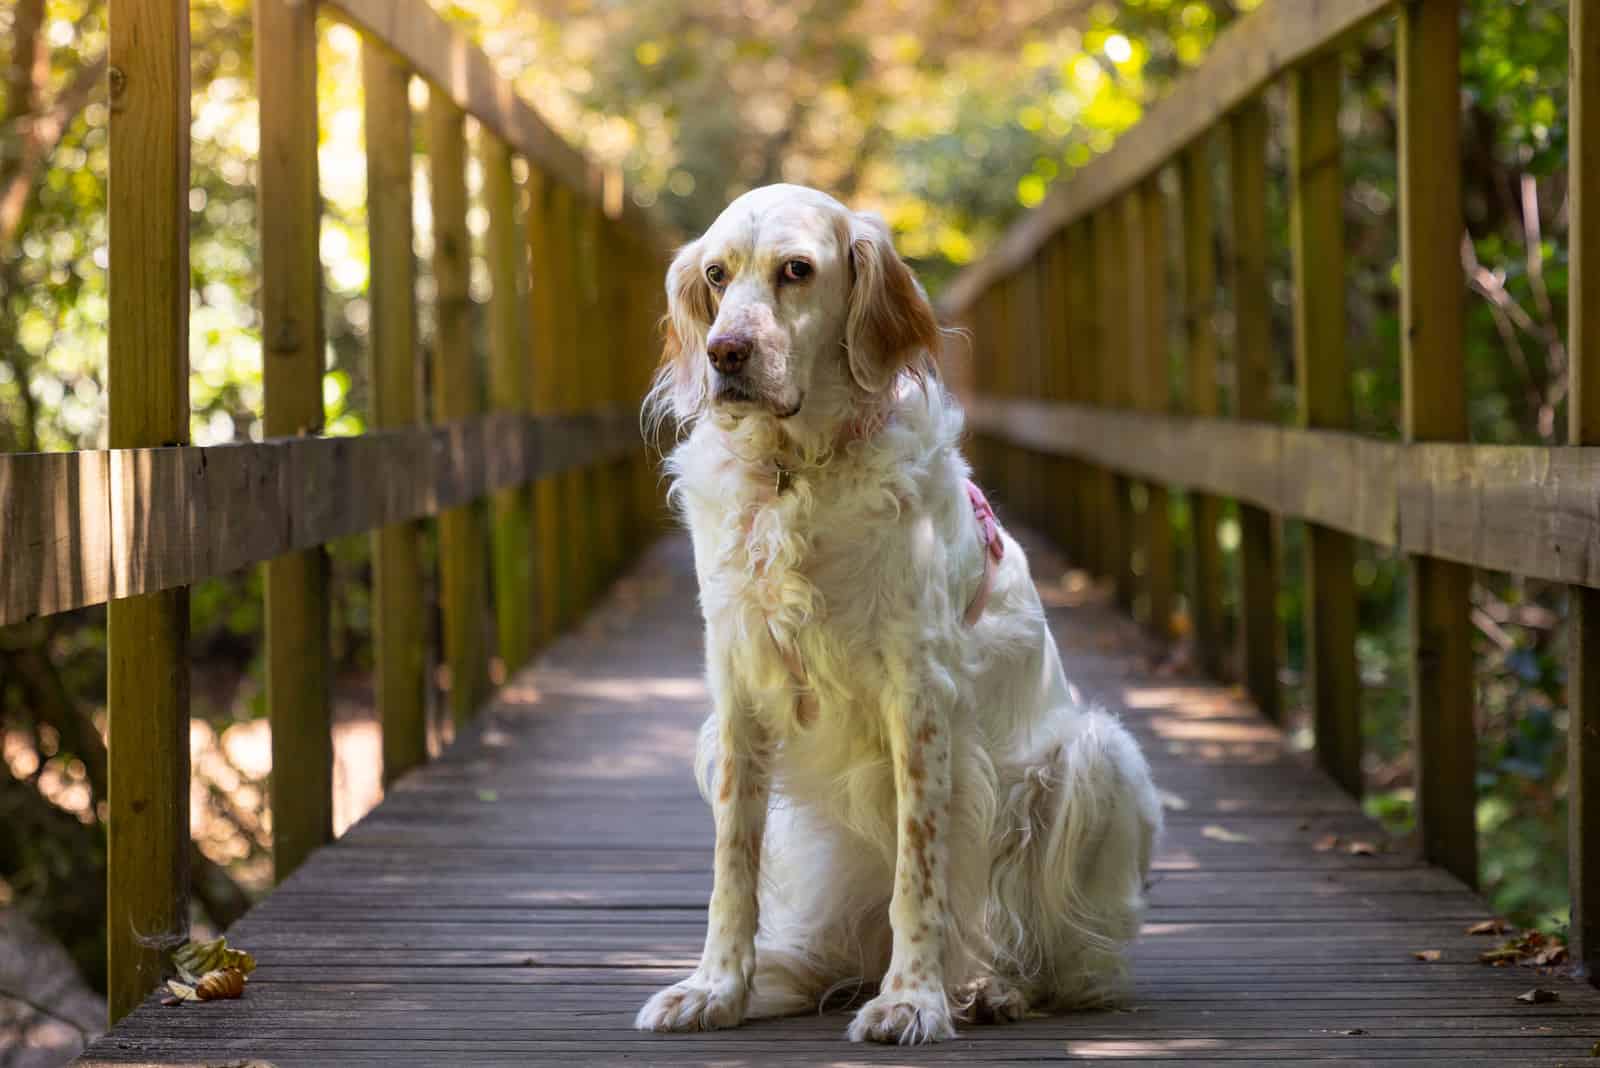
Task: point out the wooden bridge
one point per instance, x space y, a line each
514 900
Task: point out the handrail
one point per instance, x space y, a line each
1071 385
1523 509
82 528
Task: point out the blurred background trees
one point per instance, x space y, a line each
951 117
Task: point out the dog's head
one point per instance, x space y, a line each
790 307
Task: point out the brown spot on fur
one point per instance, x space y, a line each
726 792
898 983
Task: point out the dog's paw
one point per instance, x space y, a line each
696 1004
990 1000
907 1017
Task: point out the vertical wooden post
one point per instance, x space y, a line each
1002 359
1252 359
1058 386
289 215
1433 364
1316 227
1200 321
1024 343
576 551
1083 310
546 269
509 391
595 371
457 395
1115 306
147 686
1583 628
398 613
1153 393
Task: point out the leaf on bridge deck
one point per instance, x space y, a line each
212 986
1427 955
1532 949
1489 927
195 959
1538 996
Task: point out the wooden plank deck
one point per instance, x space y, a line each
515 902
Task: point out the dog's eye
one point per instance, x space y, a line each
797 271
716 275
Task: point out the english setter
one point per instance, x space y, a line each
908 794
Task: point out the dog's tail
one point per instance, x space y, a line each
1069 884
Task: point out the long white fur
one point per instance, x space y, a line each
945 821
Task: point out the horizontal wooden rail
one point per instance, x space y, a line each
1527 510
448 60
81 528
1255 51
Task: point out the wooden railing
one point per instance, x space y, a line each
1071 380
553 437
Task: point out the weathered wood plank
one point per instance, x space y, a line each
1583 625
289 214
510 390
1316 226
147 660
457 394
1526 510
1252 362
1433 369
79 524
445 937
397 571
1255 51
1200 351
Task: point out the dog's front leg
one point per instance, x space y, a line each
911 1006
716 994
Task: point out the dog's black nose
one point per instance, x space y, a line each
729 352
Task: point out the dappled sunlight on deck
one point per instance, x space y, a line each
515 901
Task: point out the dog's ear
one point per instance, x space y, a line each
890 326
681 378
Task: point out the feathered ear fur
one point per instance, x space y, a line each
891 326
680 382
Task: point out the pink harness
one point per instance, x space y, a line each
994 549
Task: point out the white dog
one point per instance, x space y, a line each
907 792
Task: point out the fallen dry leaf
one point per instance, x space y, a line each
1531 949
1361 849
1489 927
212 986
1429 955
1326 842
1354 1031
1218 833
1549 955
1538 996
194 959
223 983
